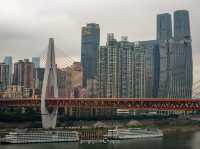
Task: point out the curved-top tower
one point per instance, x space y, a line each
49 89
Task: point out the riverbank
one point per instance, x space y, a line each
90 133
180 129
87 127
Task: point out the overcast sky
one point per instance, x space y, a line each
26 25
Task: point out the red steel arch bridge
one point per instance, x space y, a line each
116 103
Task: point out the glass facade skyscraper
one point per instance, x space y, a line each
164 26
36 62
163 88
8 60
180 69
164 34
4 76
89 45
181 65
176 65
152 67
181 25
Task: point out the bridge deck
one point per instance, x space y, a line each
121 103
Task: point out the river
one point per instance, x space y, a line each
175 141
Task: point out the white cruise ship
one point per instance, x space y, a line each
133 133
40 137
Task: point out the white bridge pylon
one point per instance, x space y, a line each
49 117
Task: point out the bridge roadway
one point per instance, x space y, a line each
121 103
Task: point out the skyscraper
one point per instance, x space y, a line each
4 76
164 35
38 77
89 45
152 67
36 62
176 60
139 75
8 61
108 68
164 26
180 69
164 81
180 64
23 74
18 75
181 25
126 62
102 71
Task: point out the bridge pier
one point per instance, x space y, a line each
50 86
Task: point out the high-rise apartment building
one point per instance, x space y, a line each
28 74
139 75
102 72
8 61
36 62
23 74
38 77
108 68
117 67
126 62
18 75
62 82
4 76
90 39
164 26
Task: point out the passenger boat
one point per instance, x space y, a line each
40 137
133 133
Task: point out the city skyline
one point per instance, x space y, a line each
64 24
106 73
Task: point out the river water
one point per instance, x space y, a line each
176 141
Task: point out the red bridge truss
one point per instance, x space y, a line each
116 103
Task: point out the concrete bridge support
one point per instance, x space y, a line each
49 89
